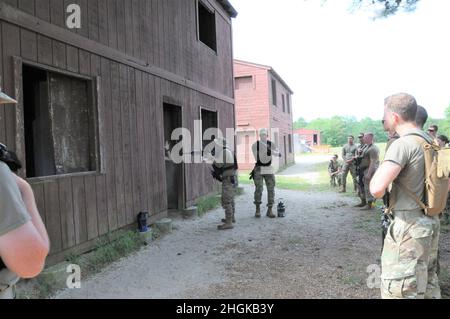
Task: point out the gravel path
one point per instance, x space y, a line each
320 250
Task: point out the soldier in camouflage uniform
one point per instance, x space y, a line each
349 155
368 166
334 170
409 259
263 151
225 168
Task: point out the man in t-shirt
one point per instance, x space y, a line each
349 157
409 256
24 243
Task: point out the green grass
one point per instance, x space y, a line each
207 203
297 183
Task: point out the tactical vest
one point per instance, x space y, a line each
269 154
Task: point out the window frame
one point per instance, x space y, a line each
94 84
211 10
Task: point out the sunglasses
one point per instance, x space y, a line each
430 130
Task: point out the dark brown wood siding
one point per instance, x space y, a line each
138 53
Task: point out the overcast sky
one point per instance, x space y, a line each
339 63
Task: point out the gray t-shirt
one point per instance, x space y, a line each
13 213
408 153
349 152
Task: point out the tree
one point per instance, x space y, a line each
300 123
385 8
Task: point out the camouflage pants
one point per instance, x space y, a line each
409 259
345 170
259 188
364 189
228 196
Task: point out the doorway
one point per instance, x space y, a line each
174 172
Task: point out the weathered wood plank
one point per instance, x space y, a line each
136 16
72 59
43 9
38 190
45 50
57 13
149 116
59 54
102 206
52 216
121 27
2 106
27 6
105 114
103 22
67 217
127 102
128 27
11 48
85 62
116 88
91 207
79 209
28 45
112 26
93 17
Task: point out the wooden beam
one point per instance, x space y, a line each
29 22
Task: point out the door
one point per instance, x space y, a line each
174 172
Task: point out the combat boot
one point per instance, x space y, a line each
270 214
363 203
258 211
369 206
227 225
234 220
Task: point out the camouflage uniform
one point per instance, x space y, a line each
370 153
410 252
334 167
348 153
410 255
264 172
225 161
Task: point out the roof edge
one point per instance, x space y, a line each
268 68
228 8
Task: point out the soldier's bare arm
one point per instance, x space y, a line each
384 176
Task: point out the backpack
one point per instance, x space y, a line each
437 170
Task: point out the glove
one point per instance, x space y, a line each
252 175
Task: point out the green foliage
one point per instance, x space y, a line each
385 8
207 203
336 130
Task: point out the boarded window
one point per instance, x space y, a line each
60 135
209 126
284 103
207 26
274 92
244 83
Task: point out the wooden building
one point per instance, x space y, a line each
306 140
98 103
263 100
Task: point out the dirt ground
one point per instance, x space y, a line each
321 249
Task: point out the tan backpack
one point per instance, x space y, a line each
437 170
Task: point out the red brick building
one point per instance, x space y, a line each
263 100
